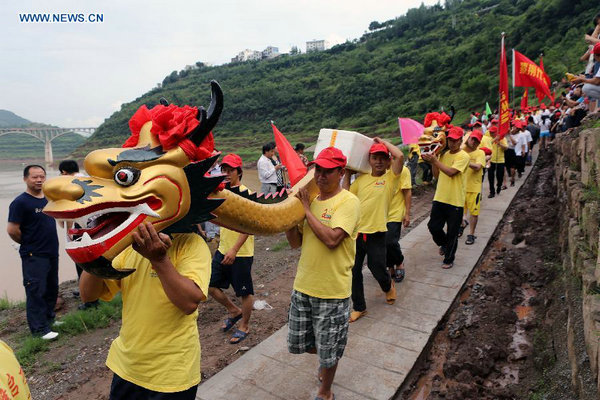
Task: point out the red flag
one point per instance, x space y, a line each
295 167
524 99
529 74
504 123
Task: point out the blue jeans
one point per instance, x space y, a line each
40 278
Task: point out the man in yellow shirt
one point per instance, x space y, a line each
474 177
496 170
449 198
232 263
320 304
375 192
157 353
399 214
13 384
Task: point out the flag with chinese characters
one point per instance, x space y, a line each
526 73
504 116
539 94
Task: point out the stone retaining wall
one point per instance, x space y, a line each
578 185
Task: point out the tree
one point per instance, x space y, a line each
295 50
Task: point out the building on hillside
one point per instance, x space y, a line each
270 52
247 55
316 45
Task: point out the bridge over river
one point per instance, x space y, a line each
47 135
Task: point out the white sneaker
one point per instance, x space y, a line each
50 335
58 323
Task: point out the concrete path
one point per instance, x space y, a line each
382 346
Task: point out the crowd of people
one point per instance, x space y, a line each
353 216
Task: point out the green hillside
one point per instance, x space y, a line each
9 119
431 57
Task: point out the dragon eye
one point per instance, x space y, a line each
127 176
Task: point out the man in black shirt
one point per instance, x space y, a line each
36 233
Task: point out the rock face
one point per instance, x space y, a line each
578 185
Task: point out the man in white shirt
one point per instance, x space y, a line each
521 146
267 172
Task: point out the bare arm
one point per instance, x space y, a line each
90 287
407 193
229 258
397 155
346 180
331 237
181 291
439 166
14 231
294 237
475 166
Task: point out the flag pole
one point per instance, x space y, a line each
501 50
513 77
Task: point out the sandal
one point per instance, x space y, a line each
238 336
447 266
320 398
470 239
399 275
355 315
230 322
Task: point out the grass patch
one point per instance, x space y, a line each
7 304
74 323
590 193
27 350
281 245
79 322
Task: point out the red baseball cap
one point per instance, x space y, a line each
378 148
543 106
487 151
493 129
233 160
596 49
330 157
455 132
477 123
495 121
477 134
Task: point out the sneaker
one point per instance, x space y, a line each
354 315
58 323
50 335
390 295
491 196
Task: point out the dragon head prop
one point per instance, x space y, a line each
433 139
160 176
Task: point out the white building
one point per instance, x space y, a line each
247 55
270 52
316 45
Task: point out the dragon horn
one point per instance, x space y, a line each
163 101
209 119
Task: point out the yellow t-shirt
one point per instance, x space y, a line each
397 206
498 152
474 177
375 194
322 272
158 346
414 148
229 237
13 384
486 141
451 190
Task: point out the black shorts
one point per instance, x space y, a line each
238 274
510 159
120 389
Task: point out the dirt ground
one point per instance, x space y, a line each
74 369
504 337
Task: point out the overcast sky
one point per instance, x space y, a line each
78 74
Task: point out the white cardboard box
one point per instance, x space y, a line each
354 145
